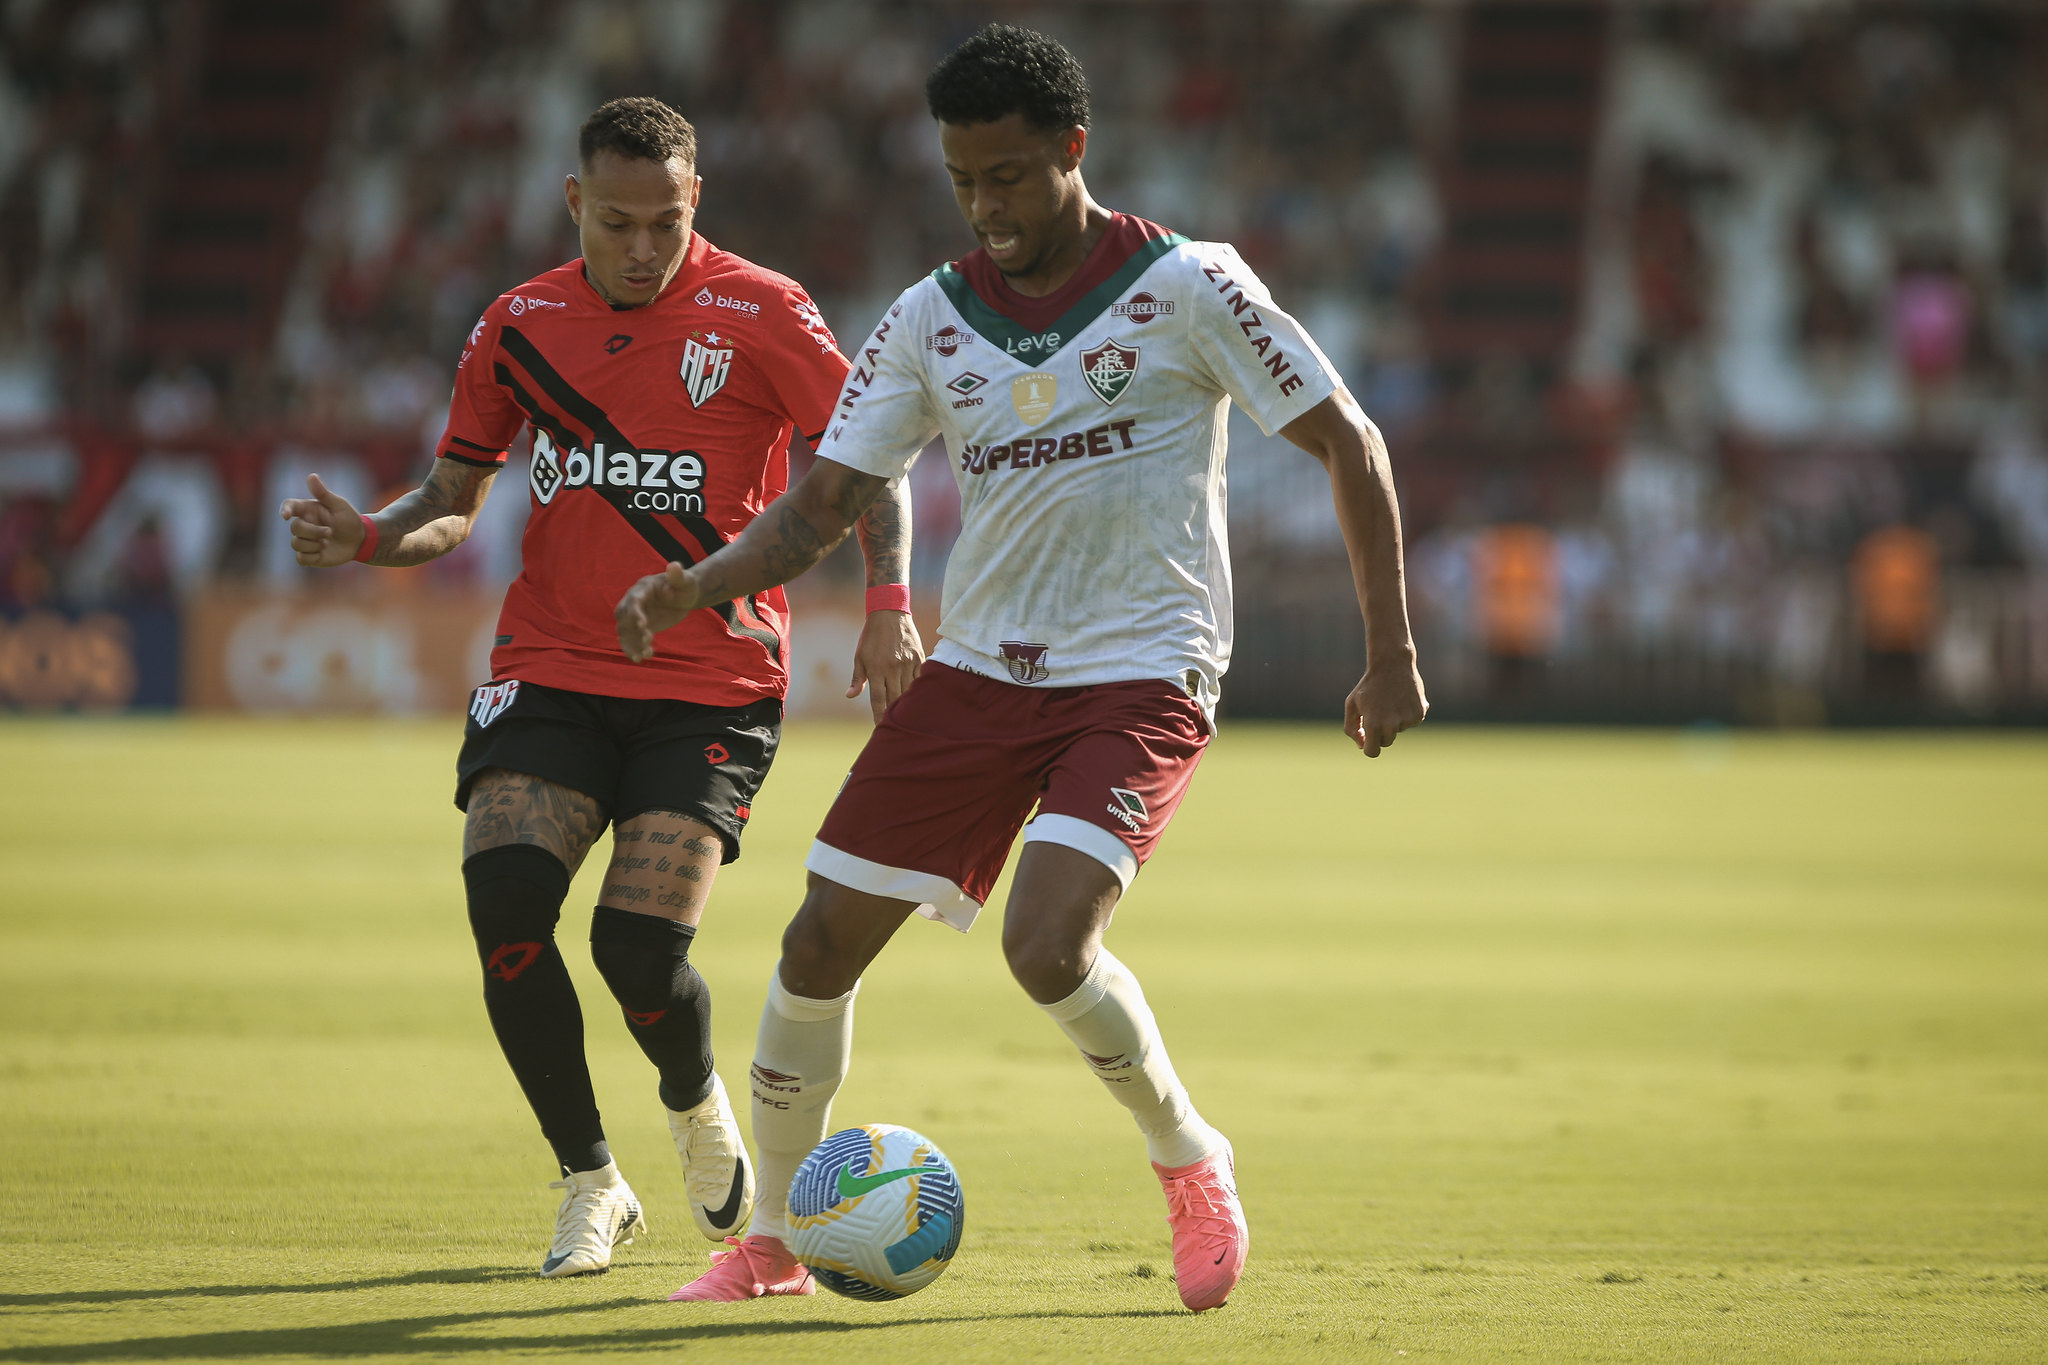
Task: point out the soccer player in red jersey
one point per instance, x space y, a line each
662 378
1079 366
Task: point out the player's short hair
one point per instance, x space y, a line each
1006 70
639 127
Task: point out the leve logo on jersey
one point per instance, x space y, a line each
1108 369
1142 308
488 702
1026 661
1033 396
705 367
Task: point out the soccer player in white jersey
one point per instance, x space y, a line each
1080 367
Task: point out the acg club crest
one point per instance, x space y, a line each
705 366
1109 369
488 702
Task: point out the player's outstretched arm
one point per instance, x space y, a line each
1389 698
792 533
424 524
889 652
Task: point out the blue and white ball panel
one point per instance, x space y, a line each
876 1212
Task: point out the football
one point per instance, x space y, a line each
876 1212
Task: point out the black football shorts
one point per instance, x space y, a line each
630 756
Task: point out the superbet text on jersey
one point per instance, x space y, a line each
1086 430
658 434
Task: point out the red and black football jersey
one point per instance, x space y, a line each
658 433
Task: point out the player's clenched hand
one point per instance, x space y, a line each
886 659
1387 700
651 606
326 530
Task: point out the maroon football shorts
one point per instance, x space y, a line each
934 802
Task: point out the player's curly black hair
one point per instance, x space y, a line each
1006 70
640 127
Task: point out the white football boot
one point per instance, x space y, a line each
598 1212
717 1176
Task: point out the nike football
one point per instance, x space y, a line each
876 1212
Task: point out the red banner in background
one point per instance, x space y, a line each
402 653
388 654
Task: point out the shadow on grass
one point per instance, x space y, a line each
472 1275
423 1335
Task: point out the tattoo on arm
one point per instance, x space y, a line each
435 517
795 547
884 531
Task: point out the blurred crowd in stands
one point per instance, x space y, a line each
1808 399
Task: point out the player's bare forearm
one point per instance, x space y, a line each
791 535
889 652
435 517
327 530
884 531
1390 697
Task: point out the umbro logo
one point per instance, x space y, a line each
619 342
1128 809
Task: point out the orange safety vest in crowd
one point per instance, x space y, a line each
1516 578
1896 572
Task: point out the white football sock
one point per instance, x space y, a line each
1108 1019
799 1061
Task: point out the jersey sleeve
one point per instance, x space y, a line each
1260 356
884 417
482 418
803 364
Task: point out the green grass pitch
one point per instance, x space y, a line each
1534 1046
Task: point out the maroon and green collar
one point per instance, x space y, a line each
993 309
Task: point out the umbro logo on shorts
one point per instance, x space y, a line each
1128 809
488 702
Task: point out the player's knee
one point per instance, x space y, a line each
1048 966
644 959
815 964
515 894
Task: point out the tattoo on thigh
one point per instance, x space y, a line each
514 808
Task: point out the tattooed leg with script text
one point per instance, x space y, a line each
660 875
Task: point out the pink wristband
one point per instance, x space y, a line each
369 545
889 597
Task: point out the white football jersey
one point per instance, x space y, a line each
1089 453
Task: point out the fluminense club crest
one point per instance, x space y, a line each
705 366
1026 661
1108 369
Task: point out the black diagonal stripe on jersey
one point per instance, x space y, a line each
599 424
536 413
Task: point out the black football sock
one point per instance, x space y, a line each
645 959
515 897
